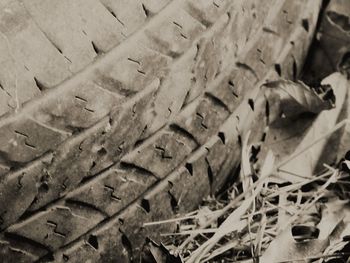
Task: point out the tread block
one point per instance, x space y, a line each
267 51
78 108
203 120
113 191
127 125
24 139
17 192
83 251
242 80
133 219
162 154
190 184
288 67
15 249
290 62
263 56
175 35
10 254
129 14
65 32
55 227
28 55
285 20
173 90
227 92
154 6
17 84
133 14
101 27
249 22
4 168
29 45
205 11
108 243
212 52
80 30
218 154
232 89
132 71
6 102
242 24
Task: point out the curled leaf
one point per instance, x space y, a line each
301 143
289 99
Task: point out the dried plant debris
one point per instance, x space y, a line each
289 201
288 99
270 222
281 208
340 141
243 227
291 141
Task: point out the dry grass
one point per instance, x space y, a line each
254 217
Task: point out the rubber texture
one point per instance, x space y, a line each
117 113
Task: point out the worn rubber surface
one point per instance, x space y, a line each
116 113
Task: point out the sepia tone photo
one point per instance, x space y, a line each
174 131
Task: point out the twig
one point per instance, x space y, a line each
176 219
189 232
298 185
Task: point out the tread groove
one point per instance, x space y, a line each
21 239
127 165
216 101
71 203
183 132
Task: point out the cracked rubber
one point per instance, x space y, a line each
118 113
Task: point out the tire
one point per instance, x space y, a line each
117 113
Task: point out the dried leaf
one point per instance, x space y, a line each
304 242
299 145
341 139
335 225
285 249
334 212
289 99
